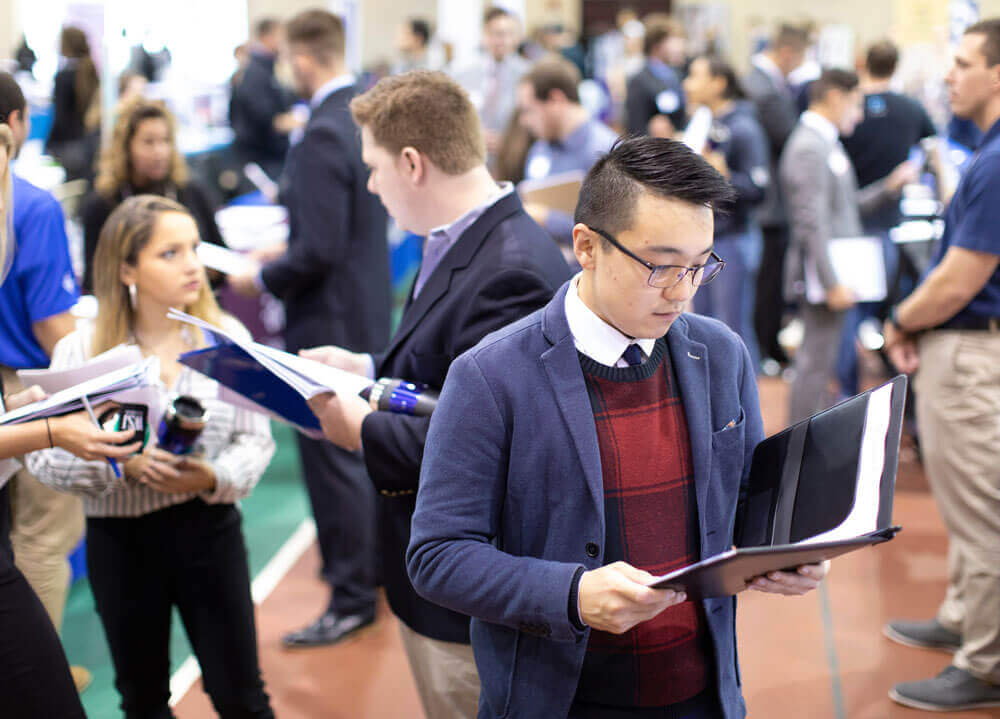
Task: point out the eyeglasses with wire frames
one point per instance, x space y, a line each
667 276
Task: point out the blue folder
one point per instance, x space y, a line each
236 369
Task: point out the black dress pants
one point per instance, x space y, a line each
34 674
769 305
343 504
190 556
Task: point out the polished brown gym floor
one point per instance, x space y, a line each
818 657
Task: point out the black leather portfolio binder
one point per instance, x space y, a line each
818 489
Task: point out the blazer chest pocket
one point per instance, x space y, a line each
727 449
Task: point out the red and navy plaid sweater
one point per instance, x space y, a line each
652 523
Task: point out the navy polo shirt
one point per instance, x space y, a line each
40 283
973 221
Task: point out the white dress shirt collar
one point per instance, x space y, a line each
596 338
820 124
331 86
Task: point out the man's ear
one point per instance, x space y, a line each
585 243
412 164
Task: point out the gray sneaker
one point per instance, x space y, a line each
953 689
926 634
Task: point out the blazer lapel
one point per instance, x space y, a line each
690 360
562 366
458 257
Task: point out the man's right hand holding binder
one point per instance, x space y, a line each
616 597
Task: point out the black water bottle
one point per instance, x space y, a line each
182 424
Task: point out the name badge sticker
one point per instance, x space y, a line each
667 102
838 162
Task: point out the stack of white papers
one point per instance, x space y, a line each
133 383
249 227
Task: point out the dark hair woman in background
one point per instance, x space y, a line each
76 107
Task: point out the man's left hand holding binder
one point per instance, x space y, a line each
341 416
804 580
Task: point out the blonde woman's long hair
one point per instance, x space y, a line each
7 211
126 233
114 169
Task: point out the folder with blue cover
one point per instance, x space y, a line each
267 380
235 368
818 489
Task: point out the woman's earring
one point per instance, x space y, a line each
132 296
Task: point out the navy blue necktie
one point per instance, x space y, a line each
633 355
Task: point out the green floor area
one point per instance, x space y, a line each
270 515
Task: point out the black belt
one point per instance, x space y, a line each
984 324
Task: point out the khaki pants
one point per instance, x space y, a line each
45 527
958 411
445 673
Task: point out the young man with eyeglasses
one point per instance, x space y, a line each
599 441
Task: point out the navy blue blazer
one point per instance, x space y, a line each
511 494
334 278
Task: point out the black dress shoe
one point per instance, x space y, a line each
330 628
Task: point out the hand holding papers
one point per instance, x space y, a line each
858 264
131 383
266 380
819 489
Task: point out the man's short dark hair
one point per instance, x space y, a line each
661 167
788 35
420 28
554 73
881 59
11 97
265 26
493 13
720 67
832 79
658 27
990 30
320 33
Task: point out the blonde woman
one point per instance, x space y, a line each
142 158
167 534
34 675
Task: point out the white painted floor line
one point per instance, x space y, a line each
263 584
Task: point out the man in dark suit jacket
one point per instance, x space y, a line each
600 440
334 281
258 108
654 98
768 88
485 264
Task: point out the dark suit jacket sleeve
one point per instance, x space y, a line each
778 118
394 443
323 187
749 153
637 107
451 559
258 101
